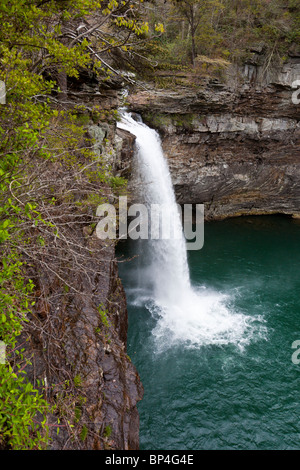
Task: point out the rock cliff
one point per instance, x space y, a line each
232 145
77 334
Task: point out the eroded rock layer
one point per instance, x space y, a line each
232 146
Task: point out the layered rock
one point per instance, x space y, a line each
233 146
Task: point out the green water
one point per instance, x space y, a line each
226 397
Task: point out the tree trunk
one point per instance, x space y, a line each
193 32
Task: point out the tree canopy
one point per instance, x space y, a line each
225 29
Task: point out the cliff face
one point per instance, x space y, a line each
77 334
233 146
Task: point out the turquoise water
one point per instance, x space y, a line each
237 395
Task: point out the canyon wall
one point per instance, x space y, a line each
232 144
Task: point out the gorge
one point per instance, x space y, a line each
205 363
236 150
120 345
208 364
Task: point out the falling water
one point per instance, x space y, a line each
185 314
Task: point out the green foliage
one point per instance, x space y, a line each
78 413
20 404
15 300
83 433
118 183
77 381
225 29
107 431
103 315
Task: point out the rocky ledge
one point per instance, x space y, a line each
233 146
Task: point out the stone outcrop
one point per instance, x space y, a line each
232 145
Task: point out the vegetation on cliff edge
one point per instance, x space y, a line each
51 176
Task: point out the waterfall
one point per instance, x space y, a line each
168 257
185 314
